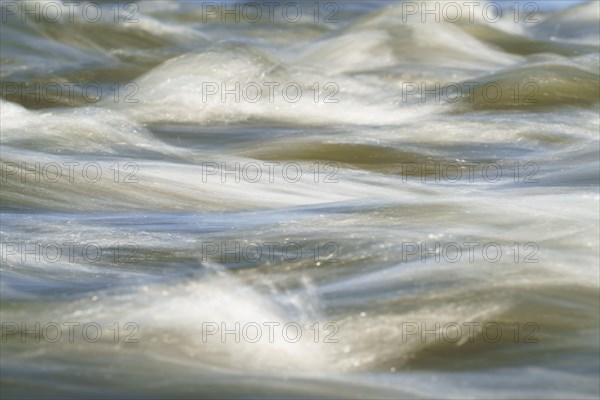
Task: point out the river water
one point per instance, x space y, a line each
368 200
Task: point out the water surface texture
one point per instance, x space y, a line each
368 200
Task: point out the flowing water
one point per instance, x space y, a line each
391 232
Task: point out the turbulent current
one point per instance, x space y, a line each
300 200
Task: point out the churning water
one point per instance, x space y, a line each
369 200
